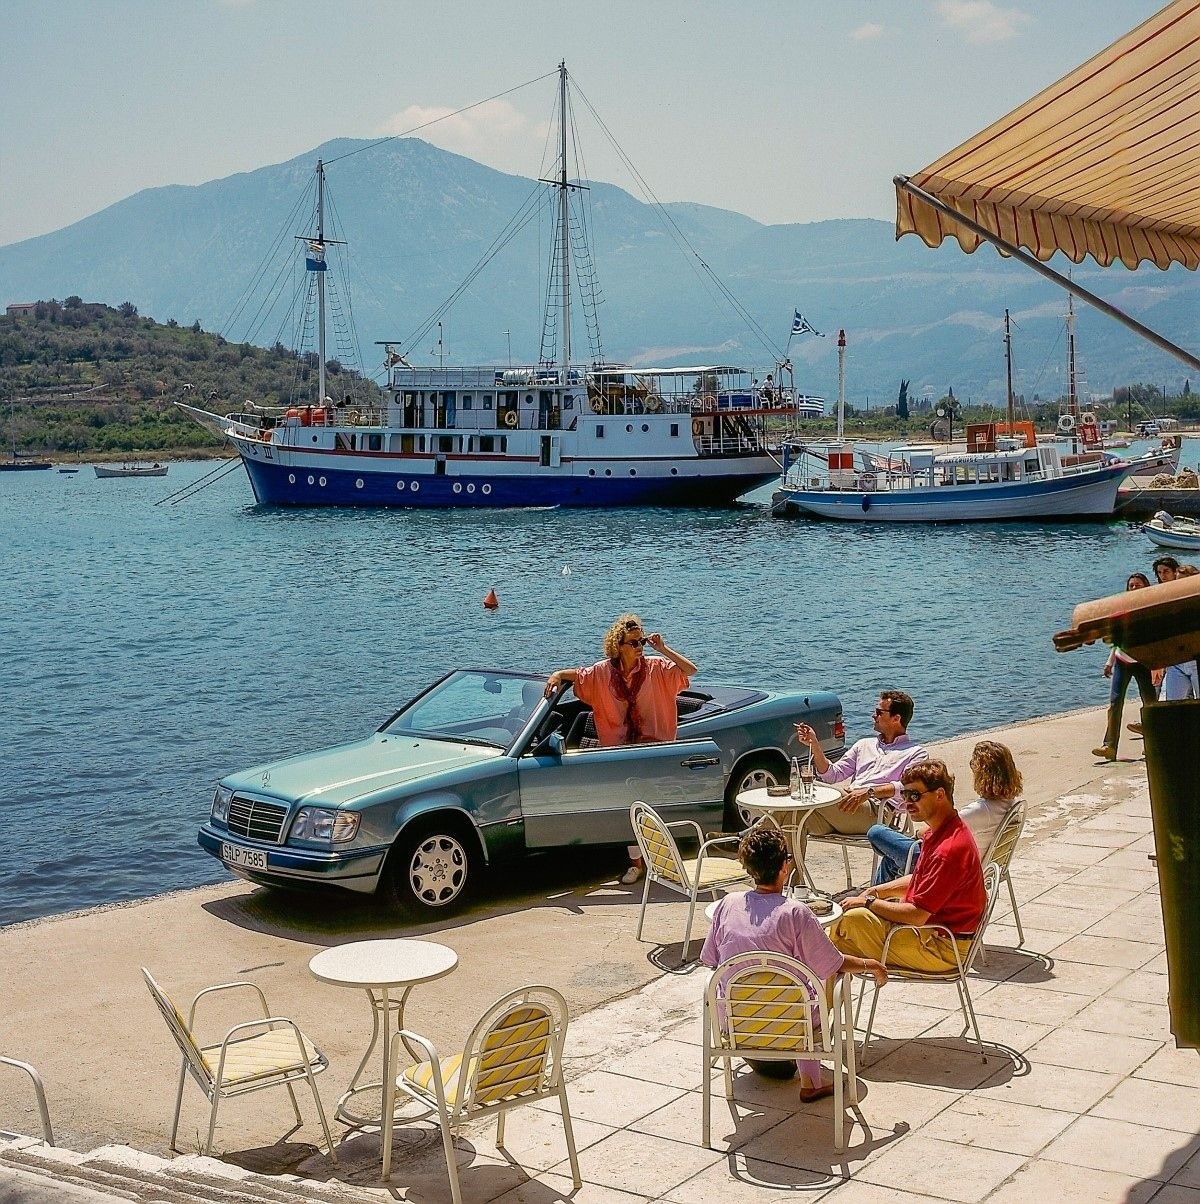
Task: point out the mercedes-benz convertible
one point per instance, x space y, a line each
481 769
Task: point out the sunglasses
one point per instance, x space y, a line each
913 796
882 711
635 643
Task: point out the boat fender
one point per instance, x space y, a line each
510 418
866 504
697 427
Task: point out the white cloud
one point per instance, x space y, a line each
872 29
981 20
494 132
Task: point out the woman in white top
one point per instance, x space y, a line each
998 785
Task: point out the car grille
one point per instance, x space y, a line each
255 819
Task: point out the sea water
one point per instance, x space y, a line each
149 649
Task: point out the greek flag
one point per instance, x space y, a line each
801 325
314 261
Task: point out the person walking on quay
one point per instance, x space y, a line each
872 766
766 920
632 696
946 887
998 785
1122 669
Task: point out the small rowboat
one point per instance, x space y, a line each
1170 532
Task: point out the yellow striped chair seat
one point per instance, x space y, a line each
259 1057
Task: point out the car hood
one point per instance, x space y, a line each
340 776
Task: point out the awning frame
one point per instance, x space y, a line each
1019 253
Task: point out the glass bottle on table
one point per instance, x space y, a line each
795 779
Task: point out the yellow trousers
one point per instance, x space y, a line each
861 934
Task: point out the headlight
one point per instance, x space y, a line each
220 804
315 823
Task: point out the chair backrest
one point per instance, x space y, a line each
764 1002
991 887
1004 839
179 1029
657 845
515 1050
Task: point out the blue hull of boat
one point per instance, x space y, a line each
276 485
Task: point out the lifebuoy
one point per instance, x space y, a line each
653 403
697 427
598 405
867 482
510 418
1066 423
708 402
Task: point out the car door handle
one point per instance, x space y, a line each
699 762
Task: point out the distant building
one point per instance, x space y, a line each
20 309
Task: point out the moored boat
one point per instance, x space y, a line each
105 471
557 432
1169 531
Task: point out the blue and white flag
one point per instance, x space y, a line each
801 325
314 261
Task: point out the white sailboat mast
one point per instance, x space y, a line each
563 218
321 285
1072 399
841 415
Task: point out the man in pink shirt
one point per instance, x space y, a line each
632 696
765 920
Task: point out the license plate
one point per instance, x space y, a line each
251 859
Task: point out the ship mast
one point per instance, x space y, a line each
1008 369
1072 400
841 410
563 217
321 285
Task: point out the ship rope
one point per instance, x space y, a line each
192 488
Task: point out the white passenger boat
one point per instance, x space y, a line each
105 471
1172 532
557 432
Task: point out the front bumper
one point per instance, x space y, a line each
351 869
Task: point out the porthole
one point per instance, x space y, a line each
400 486
416 485
358 483
470 488
633 472
608 472
321 482
310 480
674 472
314 438
486 489
591 472
457 487
629 427
291 478
645 426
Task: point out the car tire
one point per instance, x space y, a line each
762 769
432 869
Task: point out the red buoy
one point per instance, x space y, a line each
491 602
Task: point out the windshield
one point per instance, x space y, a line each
481 708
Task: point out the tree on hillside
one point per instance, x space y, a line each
902 401
127 309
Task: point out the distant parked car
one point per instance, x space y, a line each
1149 430
481 768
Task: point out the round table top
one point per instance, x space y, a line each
760 800
394 963
834 915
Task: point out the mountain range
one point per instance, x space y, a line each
418 219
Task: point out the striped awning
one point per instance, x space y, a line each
1105 163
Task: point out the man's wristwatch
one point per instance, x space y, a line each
871 898
872 797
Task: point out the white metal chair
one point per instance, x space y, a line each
245 1060
1000 853
667 866
963 962
39 1092
772 1008
512 1057
885 813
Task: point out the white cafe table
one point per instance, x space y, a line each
387 971
792 816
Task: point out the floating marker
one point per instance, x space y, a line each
491 602
566 570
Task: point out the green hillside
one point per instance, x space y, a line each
80 379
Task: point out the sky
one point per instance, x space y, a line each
785 110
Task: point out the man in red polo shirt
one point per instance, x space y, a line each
946 887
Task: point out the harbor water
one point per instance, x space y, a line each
150 649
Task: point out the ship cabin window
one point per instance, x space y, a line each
599 430
569 403
374 443
420 443
439 468
487 401
445 443
487 443
674 430
504 445
511 398
342 442
467 403
529 399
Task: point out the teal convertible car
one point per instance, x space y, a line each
481 769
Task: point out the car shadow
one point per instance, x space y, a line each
567 879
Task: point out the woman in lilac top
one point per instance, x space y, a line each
764 920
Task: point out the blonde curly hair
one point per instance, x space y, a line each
616 633
997 777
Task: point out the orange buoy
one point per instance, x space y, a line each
491 602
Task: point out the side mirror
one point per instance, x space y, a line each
554 744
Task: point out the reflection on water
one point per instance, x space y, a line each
150 649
